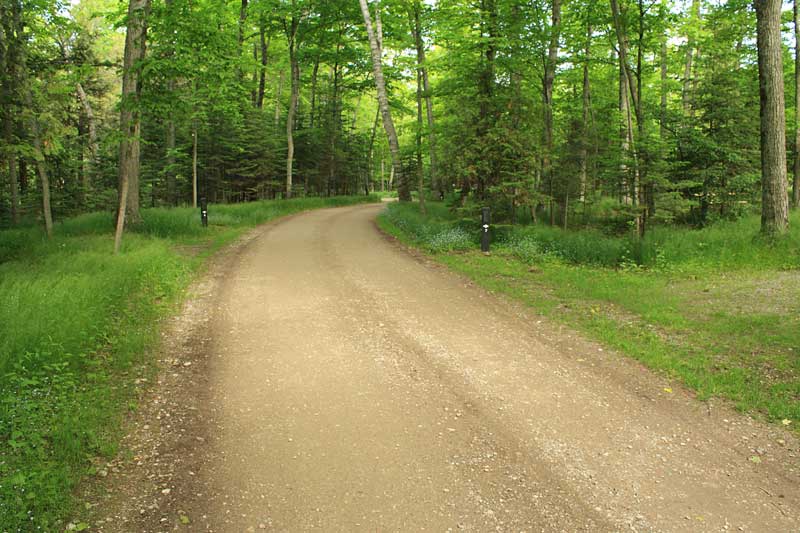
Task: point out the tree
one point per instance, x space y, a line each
796 186
10 43
775 200
383 102
294 76
549 77
130 119
425 91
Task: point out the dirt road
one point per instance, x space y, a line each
344 385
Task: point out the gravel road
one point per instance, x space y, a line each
341 383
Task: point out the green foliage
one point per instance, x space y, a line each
436 231
726 245
77 327
75 318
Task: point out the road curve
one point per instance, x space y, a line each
352 386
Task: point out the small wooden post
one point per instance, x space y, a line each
486 219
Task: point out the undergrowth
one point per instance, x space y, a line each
77 328
722 246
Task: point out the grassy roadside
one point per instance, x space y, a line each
715 309
77 330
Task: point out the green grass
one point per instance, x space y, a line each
717 309
77 327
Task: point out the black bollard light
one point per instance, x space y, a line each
486 219
204 211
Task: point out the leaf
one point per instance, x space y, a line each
184 519
82 526
667 389
786 421
755 459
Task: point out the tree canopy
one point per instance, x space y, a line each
637 112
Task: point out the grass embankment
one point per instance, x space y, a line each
717 308
77 330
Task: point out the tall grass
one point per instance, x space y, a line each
724 245
76 323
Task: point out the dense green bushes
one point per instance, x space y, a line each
724 245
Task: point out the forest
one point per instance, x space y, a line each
640 159
627 115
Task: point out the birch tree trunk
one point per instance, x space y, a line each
130 123
417 31
403 189
295 89
420 168
262 77
584 169
775 200
371 156
547 100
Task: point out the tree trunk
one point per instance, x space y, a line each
314 76
335 119
625 136
417 32
172 193
17 69
775 200
486 90
94 148
295 89
262 79
38 150
240 40
626 76
686 97
420 169
662 118
169 170
194 164
426 88
403 188
796 185
547 101
130 122
622 42
371 155
584 170
41 164
9 68
278 94
10 153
